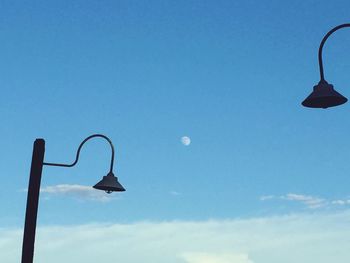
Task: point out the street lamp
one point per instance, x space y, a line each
323 94
109 183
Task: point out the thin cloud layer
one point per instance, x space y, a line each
80 192
341 202
175 193
302 238
216 258
311 202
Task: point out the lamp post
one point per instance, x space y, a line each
323 94
109 183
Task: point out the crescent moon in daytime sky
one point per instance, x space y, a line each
185 140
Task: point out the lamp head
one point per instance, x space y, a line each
109 183
324 96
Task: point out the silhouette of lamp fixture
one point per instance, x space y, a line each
323 94
109 183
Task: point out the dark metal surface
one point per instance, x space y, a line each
320 61
32 201
78 152
109 183
324 96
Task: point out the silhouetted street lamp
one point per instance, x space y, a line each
324 95
109 183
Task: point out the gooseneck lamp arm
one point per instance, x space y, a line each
79 149
320 61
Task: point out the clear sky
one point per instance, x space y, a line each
230 75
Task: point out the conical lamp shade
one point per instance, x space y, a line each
324 96
109 183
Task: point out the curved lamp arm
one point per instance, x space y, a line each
79 148
320 62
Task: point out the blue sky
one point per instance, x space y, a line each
229 74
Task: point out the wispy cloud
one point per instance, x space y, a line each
309 201
341 202
317 237
266 197
216 258
175 193
80 192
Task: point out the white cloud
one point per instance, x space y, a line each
309 201
341 202
266 197
216 258
302 238
80 192
175 193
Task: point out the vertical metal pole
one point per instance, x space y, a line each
32 201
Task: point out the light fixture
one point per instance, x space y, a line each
323 94
109 183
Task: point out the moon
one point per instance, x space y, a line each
185 140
